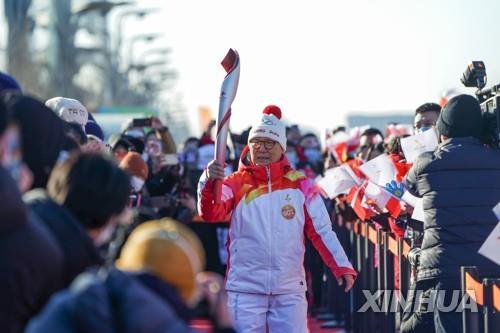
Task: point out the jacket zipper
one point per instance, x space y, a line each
269 185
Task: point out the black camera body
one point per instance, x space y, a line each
475 76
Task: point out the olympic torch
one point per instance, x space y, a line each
231 64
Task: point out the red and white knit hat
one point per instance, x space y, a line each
270 126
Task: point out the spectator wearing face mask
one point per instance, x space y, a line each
44 140
11 151
137 169
459 184
426 116
30 259
190 153
86 198
312 151
139 201
291 154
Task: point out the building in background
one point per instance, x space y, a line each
380 120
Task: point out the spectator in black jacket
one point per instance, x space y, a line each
30 261
86 198
459 184
150 292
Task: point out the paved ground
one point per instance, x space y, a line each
202 326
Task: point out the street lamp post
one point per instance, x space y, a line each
140 14
103 8
146 38
158 51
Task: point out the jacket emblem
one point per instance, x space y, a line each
288 212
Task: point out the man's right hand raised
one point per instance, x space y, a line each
215 170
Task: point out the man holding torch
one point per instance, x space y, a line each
271 208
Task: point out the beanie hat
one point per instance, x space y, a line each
69 110
169 250
93 129
270 126
134 165
7 83
43 135
461 117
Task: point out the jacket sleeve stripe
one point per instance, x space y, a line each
318 229
208 210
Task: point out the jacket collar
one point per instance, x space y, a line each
460 141
277 170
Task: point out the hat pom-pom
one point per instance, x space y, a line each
274 110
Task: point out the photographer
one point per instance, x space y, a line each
459 184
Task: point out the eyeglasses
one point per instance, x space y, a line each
268 144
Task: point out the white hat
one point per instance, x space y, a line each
69 110
270 126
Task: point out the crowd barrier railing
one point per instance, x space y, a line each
381 260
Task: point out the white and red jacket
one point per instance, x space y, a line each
271 209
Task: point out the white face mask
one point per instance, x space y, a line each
136 183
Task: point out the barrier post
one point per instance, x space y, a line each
404 277
389 284
380 278
358 318
470 319
491 313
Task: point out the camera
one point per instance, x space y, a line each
475 76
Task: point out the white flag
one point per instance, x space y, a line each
490 247
496 210
419 143
380 170
337 181
418 210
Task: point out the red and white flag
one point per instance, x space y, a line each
337 145
357 200
383 199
